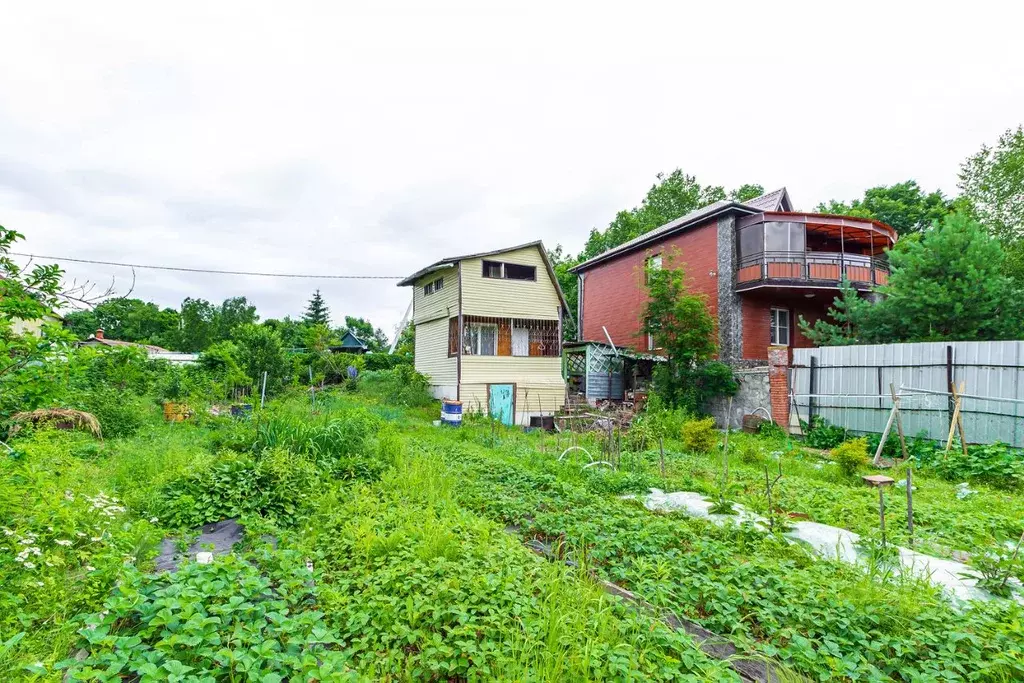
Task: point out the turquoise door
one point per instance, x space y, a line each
500 403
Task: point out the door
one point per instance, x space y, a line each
501 402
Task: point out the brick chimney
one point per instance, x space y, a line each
99 333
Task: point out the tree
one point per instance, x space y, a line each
904 206
260 350
198 326
234 312
745 193
683 328
561 263
316 311
375 339
131 320
992 181
949 285
291 331
406 345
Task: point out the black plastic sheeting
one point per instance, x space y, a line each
218 538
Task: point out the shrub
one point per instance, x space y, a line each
750 452
769 430
401 385
822 434
699 436
851 455
120 414
996 464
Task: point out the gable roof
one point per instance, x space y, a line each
359 343
453 261
774 199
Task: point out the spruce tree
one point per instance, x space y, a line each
316 311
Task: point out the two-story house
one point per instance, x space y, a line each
489 331
760 265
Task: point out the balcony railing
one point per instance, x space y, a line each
811 267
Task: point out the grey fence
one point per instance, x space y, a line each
850 386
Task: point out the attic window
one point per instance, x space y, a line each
509 271
433 286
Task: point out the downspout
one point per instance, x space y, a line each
458 347
579 307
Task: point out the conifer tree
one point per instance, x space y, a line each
316 311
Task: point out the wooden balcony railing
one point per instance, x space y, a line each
811 267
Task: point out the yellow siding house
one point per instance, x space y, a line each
489 331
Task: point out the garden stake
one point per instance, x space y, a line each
263 391
881 512
1013 558
725 447
768 485
899 419
661 445
910 503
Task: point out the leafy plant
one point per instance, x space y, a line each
699 436
820 433
851 455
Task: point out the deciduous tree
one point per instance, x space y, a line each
904 206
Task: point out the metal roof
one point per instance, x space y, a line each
452 261
777 200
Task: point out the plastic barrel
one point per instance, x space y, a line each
451 413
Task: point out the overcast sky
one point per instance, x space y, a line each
320 138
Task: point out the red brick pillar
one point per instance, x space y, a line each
778 381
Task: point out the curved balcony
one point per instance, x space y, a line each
788 249
812 269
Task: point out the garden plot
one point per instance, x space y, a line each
830 542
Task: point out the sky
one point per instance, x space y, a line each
375 138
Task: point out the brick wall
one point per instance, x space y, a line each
614 294
757 318
778 381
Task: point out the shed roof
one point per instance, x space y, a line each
116 343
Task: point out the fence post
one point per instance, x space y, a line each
812 390
949 382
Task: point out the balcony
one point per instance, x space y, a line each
811 268
784 249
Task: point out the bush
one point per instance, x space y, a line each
771 431
822 434
851 455
996 464
401 385
385 361
699 436
750 452
120 414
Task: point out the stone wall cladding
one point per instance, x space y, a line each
730 306
778 378
754 393
615 294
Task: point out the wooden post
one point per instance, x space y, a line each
661 445
885 437
957 422
881 512
910 504
725 447
899 420
960 419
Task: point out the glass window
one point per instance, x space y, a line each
481 339
780 236
514 271
780 327
797 236
653 263
492 269
751 240
520 341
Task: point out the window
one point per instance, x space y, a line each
434 286
509 271
783 236
650 341
520 341
780 327
653 263
481 339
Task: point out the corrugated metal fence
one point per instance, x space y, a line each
849 386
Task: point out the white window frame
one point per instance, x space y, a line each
653 263
650 342
775 327
474 338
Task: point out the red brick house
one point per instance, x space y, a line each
760 264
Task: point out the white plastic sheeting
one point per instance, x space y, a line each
830 542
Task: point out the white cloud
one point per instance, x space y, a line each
333 138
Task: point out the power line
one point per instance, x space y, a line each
206 270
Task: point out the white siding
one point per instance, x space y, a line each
431 356
509 298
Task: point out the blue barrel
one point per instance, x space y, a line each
451 412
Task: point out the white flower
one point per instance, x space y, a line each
50 528
79 534
63 542
40 584
153 520
90 568
7 532
96 539
68 495
25 541
29 565
48 563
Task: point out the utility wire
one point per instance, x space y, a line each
205 270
